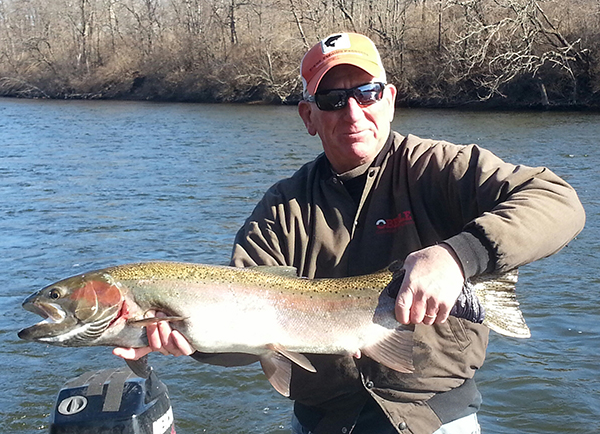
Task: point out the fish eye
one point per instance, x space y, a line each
54 294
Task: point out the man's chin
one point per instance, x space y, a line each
363 148
355 155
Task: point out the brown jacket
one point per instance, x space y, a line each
496 216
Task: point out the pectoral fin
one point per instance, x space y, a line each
153 320
140 367
395 351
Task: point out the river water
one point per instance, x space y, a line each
90 184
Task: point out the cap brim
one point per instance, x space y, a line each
369 67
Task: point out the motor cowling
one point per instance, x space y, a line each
113 401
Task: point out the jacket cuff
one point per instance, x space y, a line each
473 252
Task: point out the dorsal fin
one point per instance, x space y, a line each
276 270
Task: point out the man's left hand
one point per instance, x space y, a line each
432 282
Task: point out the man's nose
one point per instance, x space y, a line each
353 109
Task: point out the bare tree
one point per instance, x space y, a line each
434 50
520 40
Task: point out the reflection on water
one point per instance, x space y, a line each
90 184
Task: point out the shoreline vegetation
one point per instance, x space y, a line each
533 54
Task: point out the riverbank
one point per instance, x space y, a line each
526 95
514 54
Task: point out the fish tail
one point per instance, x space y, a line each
497 295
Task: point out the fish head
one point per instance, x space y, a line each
76 310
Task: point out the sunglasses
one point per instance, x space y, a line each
337 99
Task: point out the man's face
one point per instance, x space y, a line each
355 134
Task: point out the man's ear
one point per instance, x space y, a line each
391 93
305 110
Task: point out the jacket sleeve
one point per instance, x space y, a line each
257 242
518 213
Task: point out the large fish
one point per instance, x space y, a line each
264 311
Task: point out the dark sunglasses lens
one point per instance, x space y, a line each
337 99
368 93
331 100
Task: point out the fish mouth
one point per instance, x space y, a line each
51 312
53 322
60 327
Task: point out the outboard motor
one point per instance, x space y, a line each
113 401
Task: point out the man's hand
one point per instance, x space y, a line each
161 338
432 282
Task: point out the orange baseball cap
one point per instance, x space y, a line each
339 49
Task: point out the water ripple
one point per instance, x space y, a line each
90 184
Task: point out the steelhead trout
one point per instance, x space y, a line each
264 311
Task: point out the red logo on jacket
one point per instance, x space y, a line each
392 225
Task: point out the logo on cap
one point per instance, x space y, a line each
335 42
337 49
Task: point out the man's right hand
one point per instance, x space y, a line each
161 338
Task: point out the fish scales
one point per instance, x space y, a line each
252 275
265 311
288 307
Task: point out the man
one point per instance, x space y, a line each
449 212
